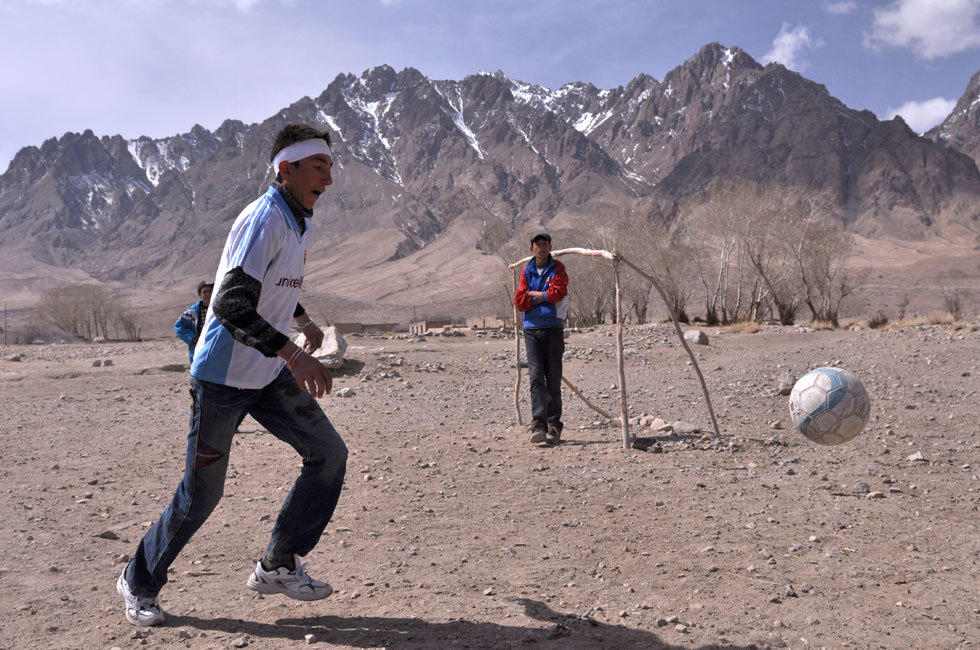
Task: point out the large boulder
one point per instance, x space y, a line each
696 336
331 353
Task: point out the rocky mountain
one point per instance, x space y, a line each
421 164
961 128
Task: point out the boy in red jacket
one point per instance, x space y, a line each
543 297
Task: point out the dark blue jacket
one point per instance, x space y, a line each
188 326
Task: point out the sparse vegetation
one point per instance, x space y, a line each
953 302
766 250
903 305
501 239
742 327
33 333
758 252
941 318
818 324
878 321
86 311
933 318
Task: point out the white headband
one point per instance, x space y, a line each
300 150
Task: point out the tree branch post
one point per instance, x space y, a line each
623 406
585 399
680 334
517 356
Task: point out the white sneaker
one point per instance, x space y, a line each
139 610
295 584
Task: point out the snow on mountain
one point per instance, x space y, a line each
418 158
455 112
961 128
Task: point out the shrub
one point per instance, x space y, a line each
941 318
902 306
742 327
878 321
953 302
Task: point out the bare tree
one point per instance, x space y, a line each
820 249
717 253
635 296
502 296
648 238
590 290
86 311
502 240
773 213
903 305
129 323
83 310
670 261
496 238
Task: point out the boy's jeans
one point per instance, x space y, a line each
545 347
290 414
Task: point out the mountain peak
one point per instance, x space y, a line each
419 155
715 54
961 128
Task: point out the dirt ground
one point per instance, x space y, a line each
454 531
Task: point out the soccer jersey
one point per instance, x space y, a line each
266 242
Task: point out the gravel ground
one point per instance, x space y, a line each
454 531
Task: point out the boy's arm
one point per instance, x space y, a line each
235 307
184 327
523 301
558 287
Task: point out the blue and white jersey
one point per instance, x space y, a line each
266 242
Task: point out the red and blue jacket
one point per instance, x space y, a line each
544 312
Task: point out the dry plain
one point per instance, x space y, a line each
454 531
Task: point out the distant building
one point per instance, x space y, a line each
365 328
422 327
379 327
485 322
349 328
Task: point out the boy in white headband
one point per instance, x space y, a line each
244 364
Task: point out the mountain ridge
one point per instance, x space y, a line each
421 160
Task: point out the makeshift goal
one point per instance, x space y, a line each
617 260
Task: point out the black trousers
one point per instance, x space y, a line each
545 348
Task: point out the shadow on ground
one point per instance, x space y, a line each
350 368
563 631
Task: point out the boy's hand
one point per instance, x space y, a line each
314 337
311 375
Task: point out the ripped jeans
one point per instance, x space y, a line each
290 414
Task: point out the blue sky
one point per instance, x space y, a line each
156 67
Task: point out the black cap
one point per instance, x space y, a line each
204 283
541 235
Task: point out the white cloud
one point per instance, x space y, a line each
789 45
243 6
847 7
922 116
930 28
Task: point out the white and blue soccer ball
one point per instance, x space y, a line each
829 406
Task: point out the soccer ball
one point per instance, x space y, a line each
829 405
